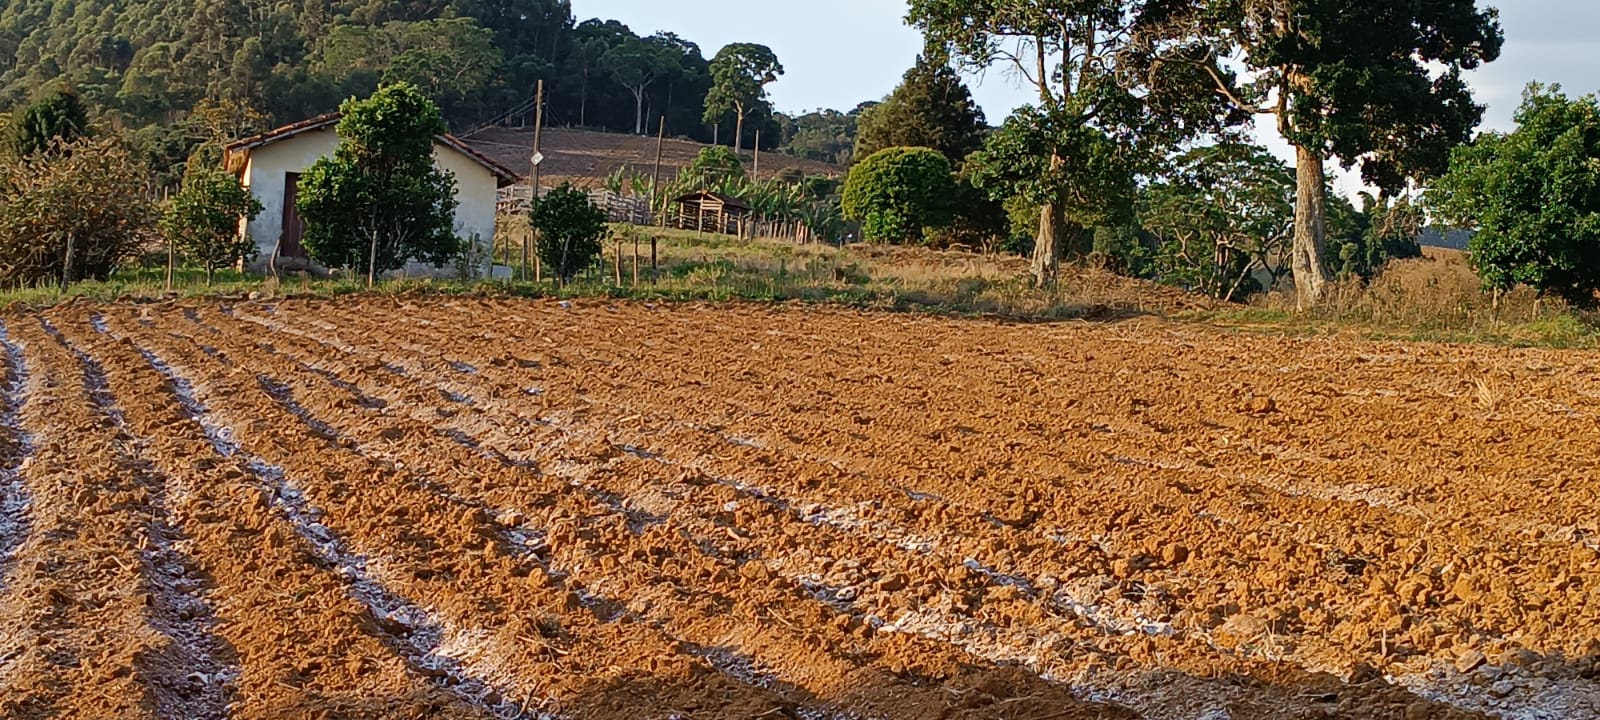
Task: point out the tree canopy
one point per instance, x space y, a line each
1070 53
379 201
74 214
1532 196
898 192
135 65
740 74
570 228
202 220
1220 214
931 108
56 117
1374 83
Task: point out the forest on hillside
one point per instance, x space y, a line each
232 67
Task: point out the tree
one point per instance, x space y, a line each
1220 214
1372 82
1533 197
570 228
452 61
714 166
740 74
636 64
1026 159
379 201
898 192
1070 52
932 108
824 135
1361 242
76 211
202 222
57 117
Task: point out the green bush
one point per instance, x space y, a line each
897 193
570 228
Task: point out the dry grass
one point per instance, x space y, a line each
1436 297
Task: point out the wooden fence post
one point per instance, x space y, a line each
616 261
654 271
636 260
172 257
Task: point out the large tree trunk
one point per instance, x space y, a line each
638 112
1049 246
1311 276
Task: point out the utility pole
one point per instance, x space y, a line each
533 173
755 174
655 180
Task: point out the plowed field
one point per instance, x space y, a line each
381 508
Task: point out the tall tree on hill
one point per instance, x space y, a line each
740 74
931 108
1371 82
636 64
1086 124
680 94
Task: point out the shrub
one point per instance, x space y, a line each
202 221
379 201
88 195
897 193
570 228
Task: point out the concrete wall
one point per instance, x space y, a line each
269 166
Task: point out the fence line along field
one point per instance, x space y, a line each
472 508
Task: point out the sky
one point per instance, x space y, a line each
838 53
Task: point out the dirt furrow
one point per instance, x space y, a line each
491 601
304 648
15 447
936 624
745 618
190 675
76 637
1348 535
1334 543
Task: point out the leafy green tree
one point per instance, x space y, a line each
1025 159
570 228
379 201
715 166
453 61
898 192
1372 82
740 74
1361 242
57 116
932 108
1533 197
203 219
824 135
73 214
1087 123
1220 214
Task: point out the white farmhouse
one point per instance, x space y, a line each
270 164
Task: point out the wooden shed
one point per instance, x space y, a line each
705 210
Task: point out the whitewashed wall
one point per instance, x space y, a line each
269 166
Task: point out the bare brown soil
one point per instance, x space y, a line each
395 508
586 158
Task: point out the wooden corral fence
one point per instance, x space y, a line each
518 199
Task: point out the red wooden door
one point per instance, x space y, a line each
289 245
